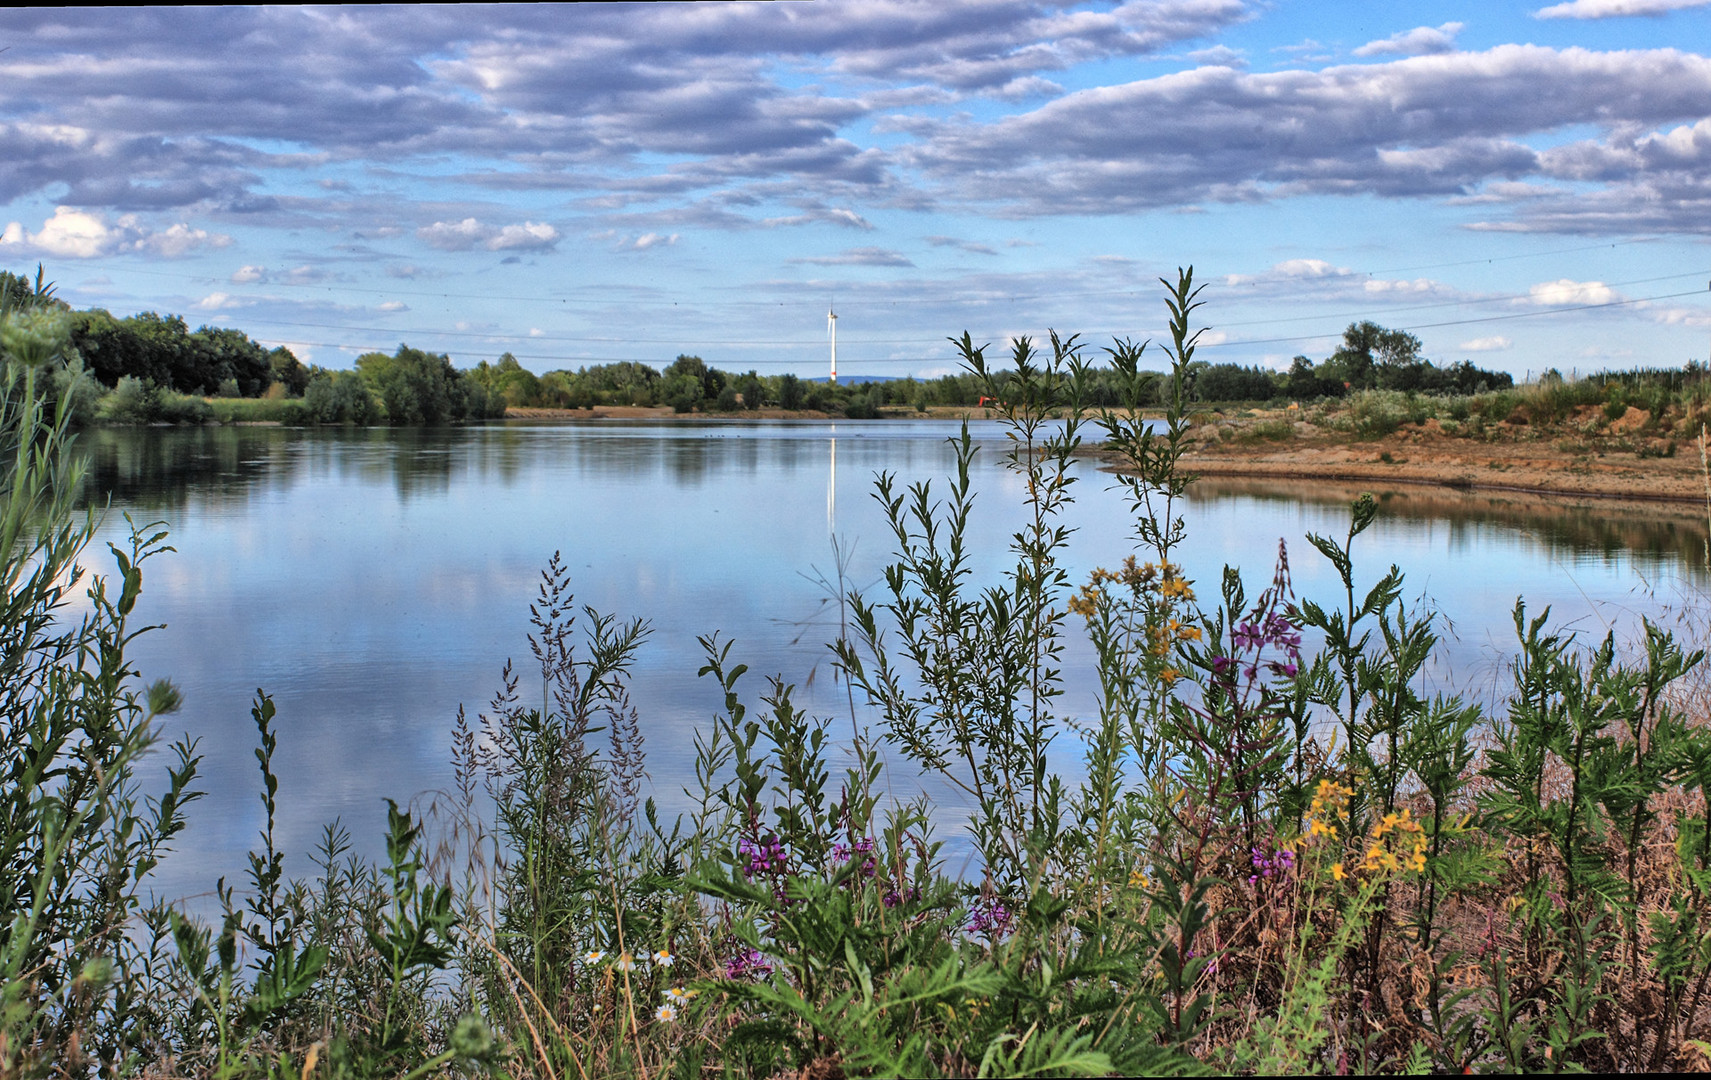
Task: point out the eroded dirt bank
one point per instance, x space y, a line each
1554 463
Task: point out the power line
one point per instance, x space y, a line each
1507 258
1208 345
991 297
814 343
1471 322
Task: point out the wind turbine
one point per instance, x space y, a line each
832 480
832 333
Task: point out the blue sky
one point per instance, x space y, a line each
1522 185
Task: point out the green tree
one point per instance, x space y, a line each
287 371
1233 382
751 389
339 397
417 387
712 380
1369 348
214 356
789 392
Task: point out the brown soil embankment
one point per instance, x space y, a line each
1539 462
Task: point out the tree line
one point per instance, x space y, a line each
152 367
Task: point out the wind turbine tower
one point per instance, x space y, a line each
832 332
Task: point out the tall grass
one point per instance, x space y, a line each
1283 853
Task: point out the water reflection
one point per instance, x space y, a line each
1658 537
373 580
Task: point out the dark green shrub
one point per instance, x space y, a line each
339 397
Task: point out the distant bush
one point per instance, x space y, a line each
1373 414
1233 382
138 401
860 406
339 397
280 410
416 387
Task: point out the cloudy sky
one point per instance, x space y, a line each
1520 185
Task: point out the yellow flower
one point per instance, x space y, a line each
1417 862
1337 871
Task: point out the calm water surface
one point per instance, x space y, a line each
372 581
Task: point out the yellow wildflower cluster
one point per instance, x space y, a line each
1163 578
1165 581
1391 836
1330 806
1139 880
1404 831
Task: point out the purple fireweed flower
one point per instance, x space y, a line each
990 917
747 964
863 850
1277 864
764 856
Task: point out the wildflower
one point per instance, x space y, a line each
625 962
1417 861
666 1013
749 962
764 856
862 849
678 996
664 958
593 956
990 917
1139 880
1337 871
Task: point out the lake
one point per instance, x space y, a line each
373 580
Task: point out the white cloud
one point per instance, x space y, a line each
1306 268
177 240
1564 292
1420 41
1392 285
861 256
249 275
79 234
529 236
1606 9
1219 56
961 245
219 301
394 305
648 240
471 233
1417 127
1485 344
